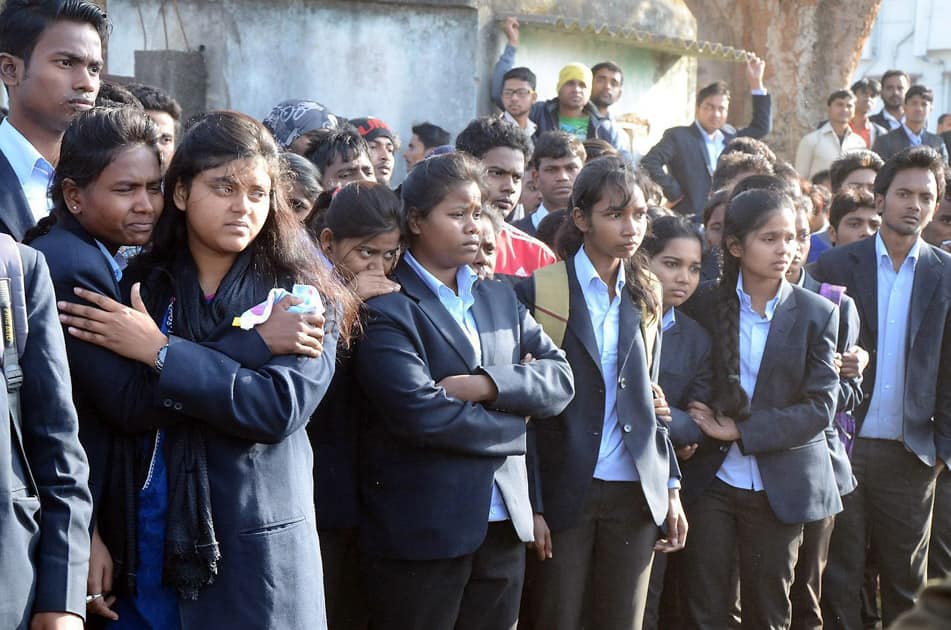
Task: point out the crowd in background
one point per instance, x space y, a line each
256 384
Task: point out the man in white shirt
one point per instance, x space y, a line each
820 148
50 61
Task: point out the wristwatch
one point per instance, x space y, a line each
160 359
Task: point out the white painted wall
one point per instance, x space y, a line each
914 36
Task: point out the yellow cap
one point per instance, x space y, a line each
575 72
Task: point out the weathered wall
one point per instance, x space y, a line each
402 61
402 64
811 48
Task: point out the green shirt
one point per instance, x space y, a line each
577 127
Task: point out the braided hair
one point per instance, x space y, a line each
747 212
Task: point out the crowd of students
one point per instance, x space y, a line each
494 398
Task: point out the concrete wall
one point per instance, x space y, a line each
912 35
403 62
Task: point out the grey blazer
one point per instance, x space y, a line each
927 421
792 406
896 141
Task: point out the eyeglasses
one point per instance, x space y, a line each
521 92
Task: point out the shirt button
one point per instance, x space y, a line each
622 383
627 428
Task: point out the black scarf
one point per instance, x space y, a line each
191 548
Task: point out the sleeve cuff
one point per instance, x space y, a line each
673 484
759 92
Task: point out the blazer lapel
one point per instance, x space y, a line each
579 320
702 148
865 272
14 210
415 288
485 317
927 277
784 318
629 329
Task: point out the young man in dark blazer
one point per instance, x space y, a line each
45 506
685 158
902 287
60 42
912 132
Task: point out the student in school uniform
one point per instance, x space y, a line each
766 468
107 194
451 367
675 249
209 515
902 287
605 475
360 239
851 360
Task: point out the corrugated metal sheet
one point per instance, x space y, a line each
638 38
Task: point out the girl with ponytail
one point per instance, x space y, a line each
604 474
763 470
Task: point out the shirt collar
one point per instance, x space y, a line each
465 279
587 274
22 155
887 116
746 302
915 138
669 319
117 263
530 125
716 137
540 213
881 252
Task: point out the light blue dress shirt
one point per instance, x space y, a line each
714 145
615 462
914 138
670 318
885 417
460 308
540 213
739 470
31 168
117 263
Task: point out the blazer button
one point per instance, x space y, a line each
622 383
177 406
627 428
167 402
724 448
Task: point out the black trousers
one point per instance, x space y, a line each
665 593
478 591
939 552
726 523
806 591
599 571
890 513
344 590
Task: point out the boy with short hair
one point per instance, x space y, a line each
556 162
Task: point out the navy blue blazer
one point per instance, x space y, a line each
333 432
15 214
686 375
792 406
927 421
428 461
679 161
254 408
45 506
896 141
850 389
566 448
